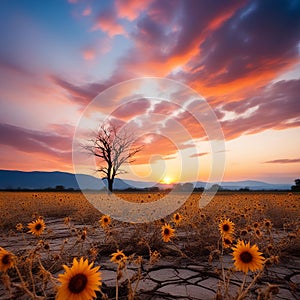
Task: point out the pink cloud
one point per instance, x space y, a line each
131 9
57 148
62 129
165 107
87 11
83 94
89 54
283 161
108 23
277 106
131 109
12 67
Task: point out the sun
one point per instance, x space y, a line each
167 180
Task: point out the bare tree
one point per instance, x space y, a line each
113 148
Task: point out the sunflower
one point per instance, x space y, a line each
105 221
6 260
118 257
177 218
37 227
67 220
258 233
79 282
226 227
244 231
227 241
167 232
247 258
19 227
268 224
255 225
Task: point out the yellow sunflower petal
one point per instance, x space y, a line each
80 282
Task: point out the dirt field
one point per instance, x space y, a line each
193 265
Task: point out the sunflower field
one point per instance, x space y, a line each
243 245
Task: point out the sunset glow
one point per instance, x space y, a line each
242 57
167 180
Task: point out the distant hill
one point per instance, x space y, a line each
43 180
14 180
254 185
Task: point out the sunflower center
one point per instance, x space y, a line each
6 259
177 217
226 227
246 257
227 242
119 257
166 231
38 226
105 220
77 283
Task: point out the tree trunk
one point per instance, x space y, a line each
110 184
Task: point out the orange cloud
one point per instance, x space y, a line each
157 147
130 9
150 60
238 88
199 154
108 24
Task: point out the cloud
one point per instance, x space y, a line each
229 52
82 94
276 106
97 49
218 48
158 148
131 109
130 9
170 33
107 22
8 65
199 154
33 141
283 161
165 107
260 39
87 11
89 54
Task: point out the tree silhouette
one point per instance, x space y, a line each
296 187
113 148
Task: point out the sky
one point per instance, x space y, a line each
241 57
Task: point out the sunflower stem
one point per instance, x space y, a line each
117 288
23 284
31 275
243 294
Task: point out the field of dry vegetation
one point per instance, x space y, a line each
191 254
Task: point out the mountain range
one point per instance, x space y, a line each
50 180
